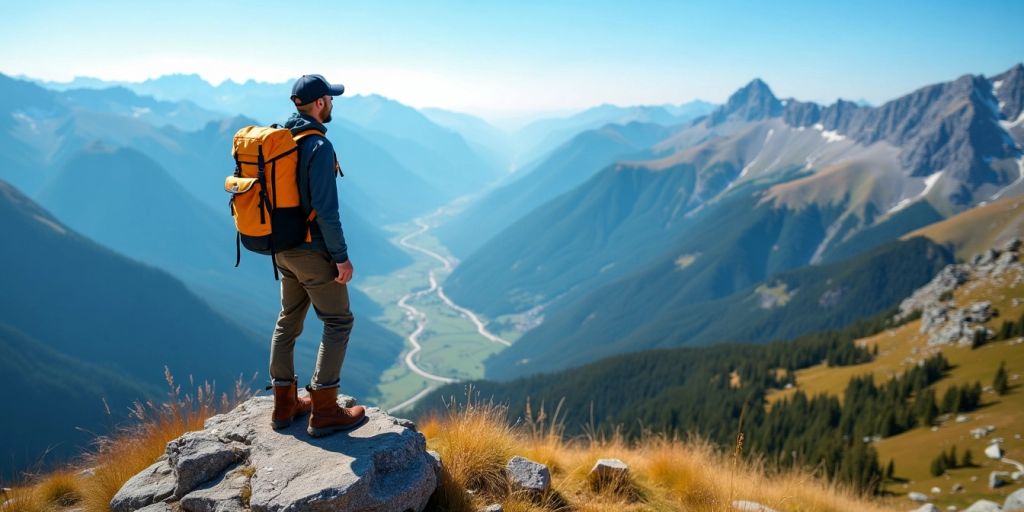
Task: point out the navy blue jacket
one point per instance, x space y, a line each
317 189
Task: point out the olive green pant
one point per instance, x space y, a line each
308 277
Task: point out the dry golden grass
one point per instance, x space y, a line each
118 457
61 488
664 474
475 442
128 452
24 499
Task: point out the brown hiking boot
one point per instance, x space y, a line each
328 417
288 405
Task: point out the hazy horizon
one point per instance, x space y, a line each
498 61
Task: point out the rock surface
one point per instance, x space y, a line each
927 507
528 475
943 321
917 496
1014 502
983 506
994 451
750 506
609 471
239 463
151 485
997 479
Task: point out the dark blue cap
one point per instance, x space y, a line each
310 87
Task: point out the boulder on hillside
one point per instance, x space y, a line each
927 507
1015 501
237 463
994 451
983 506
608 473
919 497
997 479
527 475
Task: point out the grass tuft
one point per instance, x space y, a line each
475 441
61 488
118 457
24 499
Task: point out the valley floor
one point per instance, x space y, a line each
453 345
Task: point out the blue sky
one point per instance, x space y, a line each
498 58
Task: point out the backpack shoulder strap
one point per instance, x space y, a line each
312 212
305 133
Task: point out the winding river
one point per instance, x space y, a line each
421 317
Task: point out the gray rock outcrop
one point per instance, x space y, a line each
609 473
927 507
151 485
983 506
997 479
929 295
941 319
527 475
1014 502
238 463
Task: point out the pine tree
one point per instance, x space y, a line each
938 466
951 399
968 460
951 458
890 470
979 339
1008 330
1001 383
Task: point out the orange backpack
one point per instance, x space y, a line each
265 191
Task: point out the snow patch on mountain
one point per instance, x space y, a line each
23 118
747 167
829 135
929 183
1007 125
1020 168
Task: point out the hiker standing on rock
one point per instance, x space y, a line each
317 271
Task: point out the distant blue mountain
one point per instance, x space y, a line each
437 155
538 138
93 325
564 168
486 139
183 114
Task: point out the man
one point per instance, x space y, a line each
315 272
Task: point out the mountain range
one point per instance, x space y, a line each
96 327
625 228
757 187
148 187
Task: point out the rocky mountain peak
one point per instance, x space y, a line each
1008 88
754 101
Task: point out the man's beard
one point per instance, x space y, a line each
327 116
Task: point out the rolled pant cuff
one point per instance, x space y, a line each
283 383
335 384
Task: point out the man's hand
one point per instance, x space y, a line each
345 272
